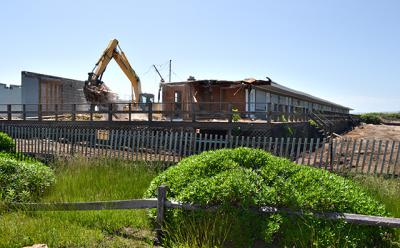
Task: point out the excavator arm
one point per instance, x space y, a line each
95 90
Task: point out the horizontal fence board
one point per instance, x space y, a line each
81 206
358 219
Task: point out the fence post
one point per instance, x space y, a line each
39 112
9 117
24 112
161 198
150 111
91 109
230 113
193 112
73 112
56 111
110 111
269 109
130 111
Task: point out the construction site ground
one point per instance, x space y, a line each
368 149
379 132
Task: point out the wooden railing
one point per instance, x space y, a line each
161 204
192 112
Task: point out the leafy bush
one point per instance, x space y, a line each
6 142
22 180
242 177
371 118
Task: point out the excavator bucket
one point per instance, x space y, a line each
98 93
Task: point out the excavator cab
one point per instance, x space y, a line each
144 100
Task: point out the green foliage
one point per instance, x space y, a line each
287 129
371 118
23 180
86 180
313 123
235 115
243 177
377 118
7 144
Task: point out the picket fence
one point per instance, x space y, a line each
376 157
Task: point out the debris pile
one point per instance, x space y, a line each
99 94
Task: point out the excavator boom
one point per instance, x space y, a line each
95 90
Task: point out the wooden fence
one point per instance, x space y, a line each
161 204
376 157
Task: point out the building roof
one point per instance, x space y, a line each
268 85
50 77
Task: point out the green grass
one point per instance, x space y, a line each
384 190
82 180
103 179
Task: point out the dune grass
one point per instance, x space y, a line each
83 180
384 190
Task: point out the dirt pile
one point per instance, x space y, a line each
99 94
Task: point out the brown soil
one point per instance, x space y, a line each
378 132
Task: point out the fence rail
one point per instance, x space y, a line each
189 112
161 203
375 157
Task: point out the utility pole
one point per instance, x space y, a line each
170 70
161 82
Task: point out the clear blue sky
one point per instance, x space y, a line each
344 51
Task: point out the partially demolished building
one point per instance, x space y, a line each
243 95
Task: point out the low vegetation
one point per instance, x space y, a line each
378 118
83 180
243 177
23 181
7 144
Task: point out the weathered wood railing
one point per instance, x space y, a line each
190 112
161 204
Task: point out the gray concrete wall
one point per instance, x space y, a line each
30 91
10 95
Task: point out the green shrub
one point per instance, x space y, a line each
6 143
371 118
243 177
22 180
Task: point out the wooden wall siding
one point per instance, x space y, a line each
374 157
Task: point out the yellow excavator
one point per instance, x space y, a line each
97 92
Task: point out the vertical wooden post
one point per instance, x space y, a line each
110 111
56 111
73 112
230 113
24 112
39 112
161 198
193 112
91 109
150 111
269 112
130 111
9 117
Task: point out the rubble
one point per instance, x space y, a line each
99 94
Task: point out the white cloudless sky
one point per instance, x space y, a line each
344 51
